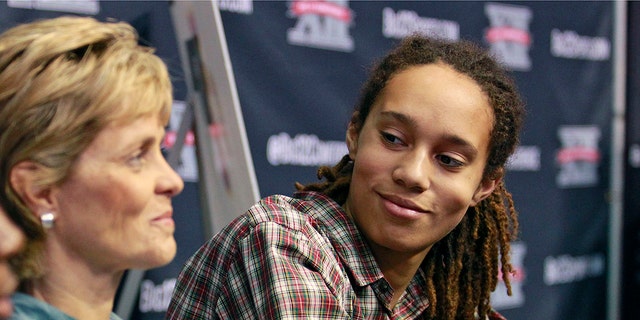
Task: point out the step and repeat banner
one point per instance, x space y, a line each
296 69
299 66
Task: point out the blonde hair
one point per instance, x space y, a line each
62 81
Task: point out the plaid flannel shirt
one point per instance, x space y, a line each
290 258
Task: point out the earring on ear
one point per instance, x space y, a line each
47 220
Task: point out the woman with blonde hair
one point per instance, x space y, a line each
82 114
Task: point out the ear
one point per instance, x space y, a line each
485 189
24 179
352 137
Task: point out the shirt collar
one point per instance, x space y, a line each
345 237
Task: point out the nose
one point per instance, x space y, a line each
413 171
170 182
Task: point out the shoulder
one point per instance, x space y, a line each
298 212
272 220
28 307
278 218
279 209
278 230
302 203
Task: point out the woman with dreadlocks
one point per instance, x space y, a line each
414 223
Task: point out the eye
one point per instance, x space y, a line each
139 157
391 138
136 159
448 161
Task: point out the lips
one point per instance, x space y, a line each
402 202
402 208
166 219
167 215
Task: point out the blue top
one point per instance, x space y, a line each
26 307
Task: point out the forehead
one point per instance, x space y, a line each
437 98
135 103
119 136
438 74
437 86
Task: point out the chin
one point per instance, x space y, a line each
159 256
167 255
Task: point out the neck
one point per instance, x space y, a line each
77 301
398 268
76 287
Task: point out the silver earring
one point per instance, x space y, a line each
47 220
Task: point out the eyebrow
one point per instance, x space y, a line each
456 140
405 119
147 140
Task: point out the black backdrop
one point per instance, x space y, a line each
631 243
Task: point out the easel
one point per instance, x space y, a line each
228 185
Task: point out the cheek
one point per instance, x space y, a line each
454 205
456 197
371 158
368 169
108 200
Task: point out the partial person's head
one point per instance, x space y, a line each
82 113
428 144
11 240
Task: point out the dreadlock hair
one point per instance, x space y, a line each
462 268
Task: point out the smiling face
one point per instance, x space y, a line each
419 159
114 210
